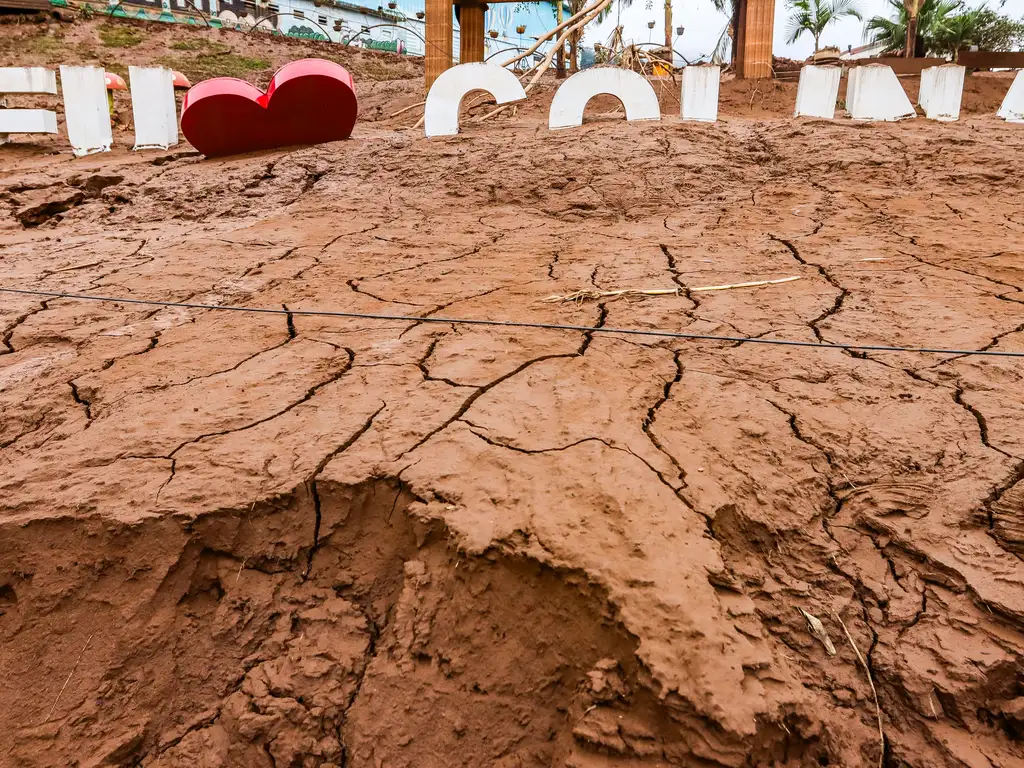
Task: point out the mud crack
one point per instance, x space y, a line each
837 304
86 404
314 491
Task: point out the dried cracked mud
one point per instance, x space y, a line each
235 539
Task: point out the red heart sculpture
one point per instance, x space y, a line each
309 101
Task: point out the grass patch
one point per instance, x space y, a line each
201 44
31 45
117 36
230 64
190 45
207 65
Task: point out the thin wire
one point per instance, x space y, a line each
514 324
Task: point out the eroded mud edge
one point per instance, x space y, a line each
211 641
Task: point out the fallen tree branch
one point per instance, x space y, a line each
406 109
599 5
546 63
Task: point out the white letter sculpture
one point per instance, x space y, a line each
636 94
817 92
699 97
1012 110
26 80
441 115
941 92
153 108
85 109
874 93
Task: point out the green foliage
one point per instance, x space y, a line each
815 15
996 32
945 27
952 33
892 32
120 36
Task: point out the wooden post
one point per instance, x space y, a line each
754 38
471 32
438 30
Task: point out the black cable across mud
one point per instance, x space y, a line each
291 313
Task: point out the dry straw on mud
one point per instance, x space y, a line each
585 294
70 674
817 629
871 682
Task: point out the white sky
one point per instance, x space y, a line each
704 24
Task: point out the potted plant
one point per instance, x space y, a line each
420 15
521 28
392 5
493 33
650 25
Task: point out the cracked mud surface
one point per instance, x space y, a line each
281 540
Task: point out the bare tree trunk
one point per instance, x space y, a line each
560 56
817 45
735 28
574 61
913 8
668 24
911 44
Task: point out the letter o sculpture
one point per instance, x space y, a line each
636 94
441 114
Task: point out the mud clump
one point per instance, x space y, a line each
395 647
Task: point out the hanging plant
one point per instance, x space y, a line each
521 28
420 15
392 6
493 33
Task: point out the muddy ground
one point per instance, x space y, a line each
235 539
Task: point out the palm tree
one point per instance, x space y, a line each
892 33
727 38
815 15
953 33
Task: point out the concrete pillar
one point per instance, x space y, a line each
755 28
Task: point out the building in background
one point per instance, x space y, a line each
397 26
